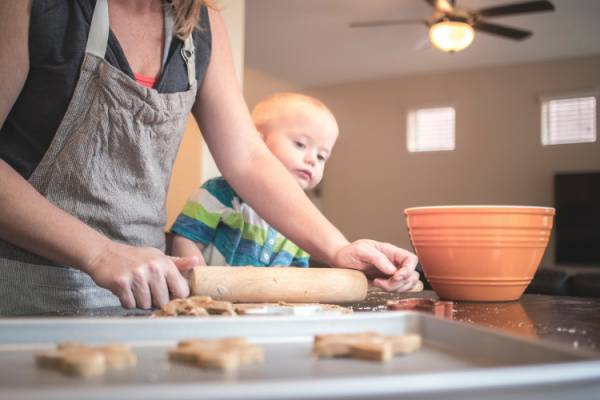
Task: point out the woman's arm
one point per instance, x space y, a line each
139 277
247 164
259 178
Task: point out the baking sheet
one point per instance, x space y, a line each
456 359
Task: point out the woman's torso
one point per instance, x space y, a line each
95 143
57 37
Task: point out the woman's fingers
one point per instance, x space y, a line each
123 291
377 259
141 289
127 299
404 273
177 284
363 255
398 285
403 259
159 292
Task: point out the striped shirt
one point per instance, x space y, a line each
233 233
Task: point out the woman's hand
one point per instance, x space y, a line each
140 277
392 267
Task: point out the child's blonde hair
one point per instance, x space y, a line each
271 106
187 13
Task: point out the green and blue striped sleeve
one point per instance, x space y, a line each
204 210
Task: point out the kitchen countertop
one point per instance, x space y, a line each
572 321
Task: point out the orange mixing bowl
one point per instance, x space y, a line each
479 253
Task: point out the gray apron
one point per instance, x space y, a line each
109 165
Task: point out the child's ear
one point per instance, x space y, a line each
262 136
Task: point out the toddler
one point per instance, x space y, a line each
217 225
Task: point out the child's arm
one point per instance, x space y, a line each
184 247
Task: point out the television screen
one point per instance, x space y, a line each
577 221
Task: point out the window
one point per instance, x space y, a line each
430 129
569 120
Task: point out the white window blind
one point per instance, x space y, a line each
430 129
569 120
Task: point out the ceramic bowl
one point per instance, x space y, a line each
479 253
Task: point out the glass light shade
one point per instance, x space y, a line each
451 36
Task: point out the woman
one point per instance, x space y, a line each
86 153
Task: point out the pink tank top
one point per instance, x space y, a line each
144 80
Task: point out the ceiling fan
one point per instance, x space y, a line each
452 28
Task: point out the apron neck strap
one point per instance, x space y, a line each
189 56
98 40
98 35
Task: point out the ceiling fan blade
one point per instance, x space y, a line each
423 44
445 6
516 8
501 30
386 22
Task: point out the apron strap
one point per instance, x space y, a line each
98 40
189 56
99 28
188 52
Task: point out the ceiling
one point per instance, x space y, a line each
309 43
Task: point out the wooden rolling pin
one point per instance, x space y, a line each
290 284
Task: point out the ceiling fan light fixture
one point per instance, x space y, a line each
451 36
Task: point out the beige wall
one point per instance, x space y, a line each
258 84
499 159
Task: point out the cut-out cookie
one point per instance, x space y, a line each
365 345
226 354
78 359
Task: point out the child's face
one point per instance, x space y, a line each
302 139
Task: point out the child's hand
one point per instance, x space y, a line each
185 264
392 267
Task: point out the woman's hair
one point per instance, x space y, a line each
187 13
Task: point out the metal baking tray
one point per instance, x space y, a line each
456 361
